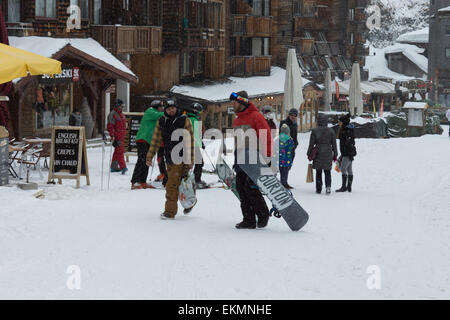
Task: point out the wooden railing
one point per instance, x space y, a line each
247 66
251 26
309 23
129 39
205 39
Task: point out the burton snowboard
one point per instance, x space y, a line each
282 200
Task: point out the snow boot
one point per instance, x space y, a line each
124 170
246 225
287 186
138 186
344 184
201 185
262 222
166 216
349 185
319 187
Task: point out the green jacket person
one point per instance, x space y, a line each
143 141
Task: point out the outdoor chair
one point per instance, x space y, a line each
30 157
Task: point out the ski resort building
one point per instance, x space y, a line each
439 55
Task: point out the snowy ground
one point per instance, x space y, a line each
397 218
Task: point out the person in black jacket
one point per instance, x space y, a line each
323 139
348 152
291 122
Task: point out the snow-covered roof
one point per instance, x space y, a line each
446 9
412 52
220 91
418 36
47 47
415 105
369 87
377 63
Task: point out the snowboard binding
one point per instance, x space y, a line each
274 212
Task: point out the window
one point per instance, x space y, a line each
329 63
13 11
352 38
186 63
52 105
352 15
447 52
97 11
46 8
84 7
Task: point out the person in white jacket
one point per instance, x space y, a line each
448 117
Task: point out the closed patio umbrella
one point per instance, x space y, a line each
293 85
355 94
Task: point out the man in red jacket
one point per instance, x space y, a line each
117 127
252 202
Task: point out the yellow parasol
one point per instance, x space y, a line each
18 63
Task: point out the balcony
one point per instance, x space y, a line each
244 25
128 39
247 66
205 39
309 24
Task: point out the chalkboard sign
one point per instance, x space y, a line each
133 124
68 157
4 161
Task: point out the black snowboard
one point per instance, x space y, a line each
282 200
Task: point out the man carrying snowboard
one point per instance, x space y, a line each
252 202
178 164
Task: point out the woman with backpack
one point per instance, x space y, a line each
347 147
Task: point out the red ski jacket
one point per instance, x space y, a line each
117 124
251 118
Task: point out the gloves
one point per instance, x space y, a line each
116 143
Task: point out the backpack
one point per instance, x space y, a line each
350 147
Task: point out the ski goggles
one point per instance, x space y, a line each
238 98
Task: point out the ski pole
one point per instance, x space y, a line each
151 172
110 158
103 160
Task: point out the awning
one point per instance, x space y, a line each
17 63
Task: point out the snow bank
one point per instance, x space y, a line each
396 219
